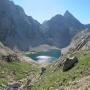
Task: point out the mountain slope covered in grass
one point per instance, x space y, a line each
14 69
55 79
78 77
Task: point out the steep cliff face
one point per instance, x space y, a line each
80 41
60 29
17 30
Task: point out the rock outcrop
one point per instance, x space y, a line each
80 41
7 54
69 63
9 58
5 50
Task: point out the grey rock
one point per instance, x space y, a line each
12 87
43 69
69 63
10 57
29 84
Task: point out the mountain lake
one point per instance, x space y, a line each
46 56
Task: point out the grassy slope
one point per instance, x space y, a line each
57 78
15 71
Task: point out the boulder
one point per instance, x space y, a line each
10 57
12 87
69 63
43 69
29 84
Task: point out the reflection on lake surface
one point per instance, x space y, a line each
46 56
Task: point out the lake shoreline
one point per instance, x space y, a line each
46 56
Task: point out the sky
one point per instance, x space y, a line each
42 10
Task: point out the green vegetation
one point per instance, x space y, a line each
53 77
58 78
15 71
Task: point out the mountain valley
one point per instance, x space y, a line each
63 40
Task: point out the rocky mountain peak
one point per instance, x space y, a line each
17 30
67 14
56 18
70 17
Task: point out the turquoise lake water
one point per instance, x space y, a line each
46 56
